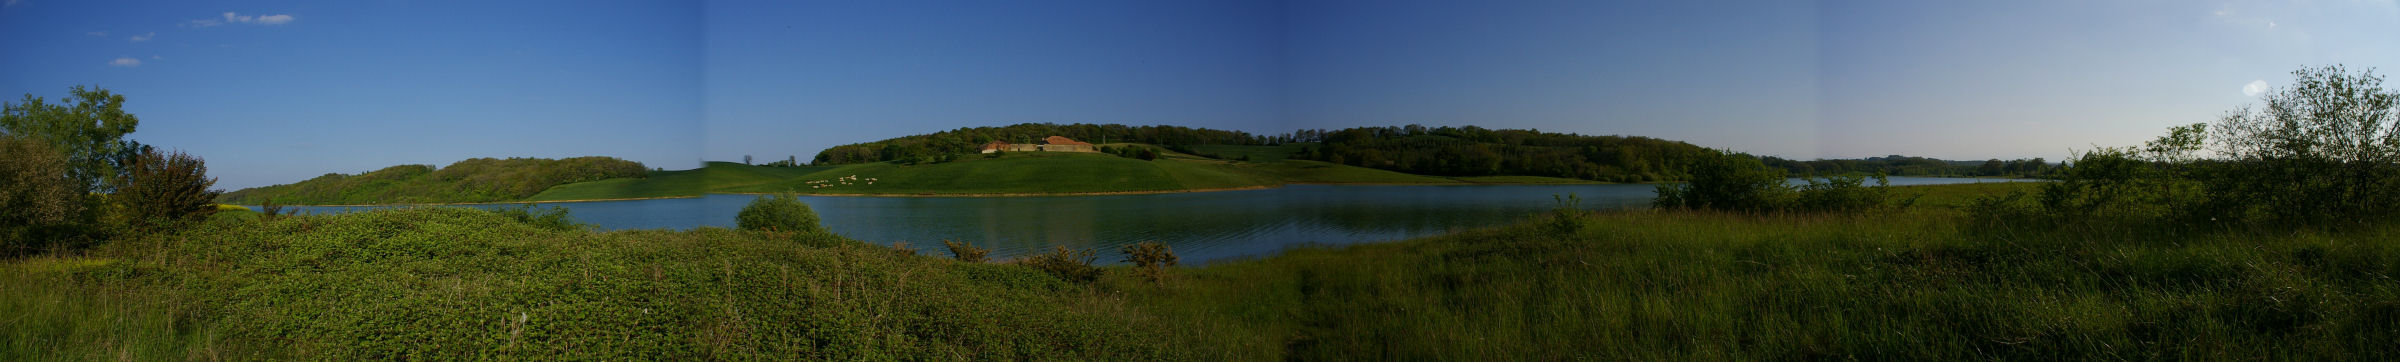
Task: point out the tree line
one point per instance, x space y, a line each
1476 151
1897 165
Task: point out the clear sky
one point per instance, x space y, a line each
275 92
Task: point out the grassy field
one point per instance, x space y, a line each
1911 285
681 183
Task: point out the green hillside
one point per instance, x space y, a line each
679 183
471 180
1021 172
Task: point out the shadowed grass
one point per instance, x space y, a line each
1679 286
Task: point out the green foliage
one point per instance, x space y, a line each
89 133
1727 181
39 200
454 283
1721 286
778 213
2325 149
965 252
160 190
1738 182
1567 216
553 218
471 180
1073 265
1475 151
1899 165
268 209
1150 259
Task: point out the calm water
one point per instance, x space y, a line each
1202 227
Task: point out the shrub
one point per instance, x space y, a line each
903 248
1727 181
1074 265
268 209
1150 259
1843 194
553 218
965 252
1565 218
781 212
164 189
39 195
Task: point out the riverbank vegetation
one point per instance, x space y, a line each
471 180
1920 283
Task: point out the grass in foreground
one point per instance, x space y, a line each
451 283
1680 286
1913 285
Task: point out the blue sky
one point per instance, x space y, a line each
275 92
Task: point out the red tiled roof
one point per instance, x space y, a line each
1056 140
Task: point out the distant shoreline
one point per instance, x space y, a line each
498 202
1026 194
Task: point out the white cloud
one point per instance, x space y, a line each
156 57
143 37
96 33
237 18
126 62
2254 88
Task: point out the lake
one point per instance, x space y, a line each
1202 227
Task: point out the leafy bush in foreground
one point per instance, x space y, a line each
1074 265
163 189
780 213
1150 259
965 252
553 218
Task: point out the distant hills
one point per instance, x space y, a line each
472 180
1136 159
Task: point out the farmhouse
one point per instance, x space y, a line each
1063 144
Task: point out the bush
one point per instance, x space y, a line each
1565 218
1727 181
2325 149
965 252
781 212
553 218
268 209
1150 259
1074 265
39 198
160 190
1845 194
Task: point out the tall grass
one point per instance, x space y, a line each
1921 284
1697 285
